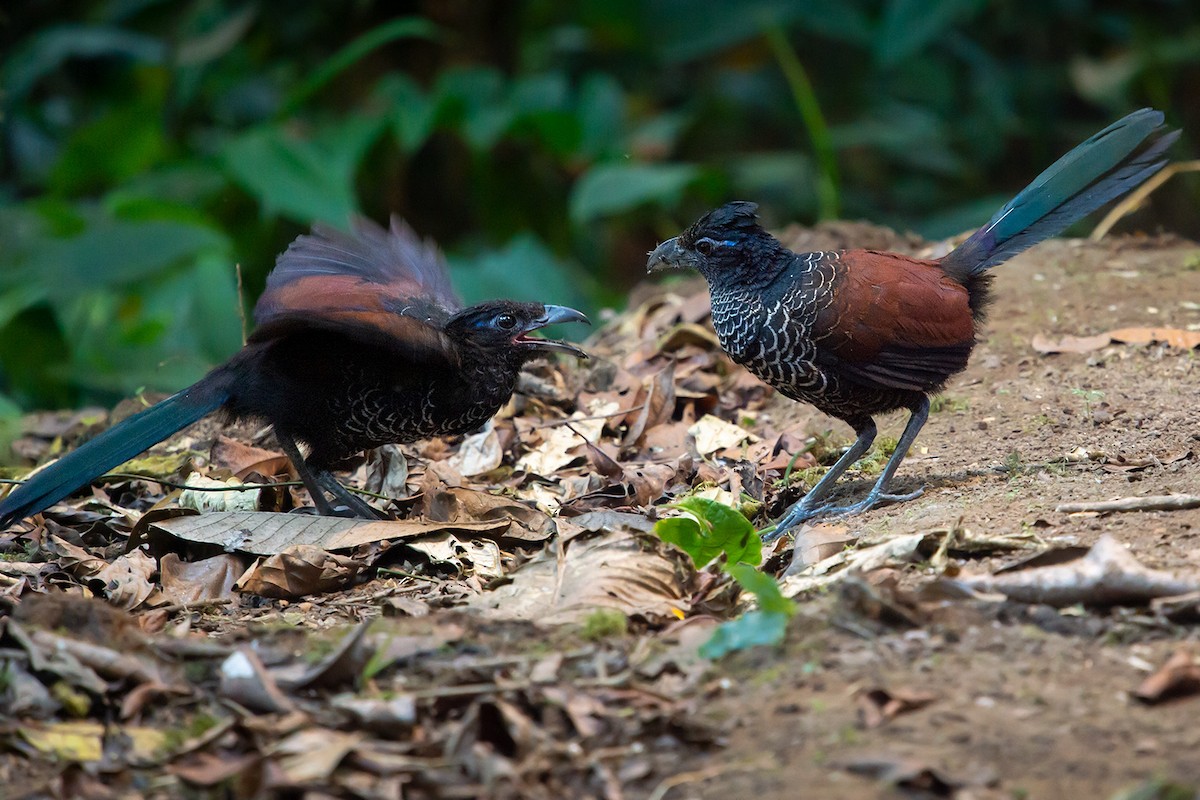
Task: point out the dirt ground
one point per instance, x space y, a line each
1016 701
1033 704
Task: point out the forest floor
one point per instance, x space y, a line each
462 656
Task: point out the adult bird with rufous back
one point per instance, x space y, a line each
858 333
359 341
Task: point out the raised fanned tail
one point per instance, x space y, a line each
115 446
1106 166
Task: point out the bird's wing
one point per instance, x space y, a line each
895 321
385 287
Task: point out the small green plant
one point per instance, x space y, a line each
943 403
708 531
1089 396
604 623
1014 465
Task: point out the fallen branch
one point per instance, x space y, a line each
1107 575
1162 502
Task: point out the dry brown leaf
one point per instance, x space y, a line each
193 582
209 769
1174 337
815 543
1070 344
688 333
260 533
298 571
386 471
459 506
561 444
240 458
73 558
245 681
126 580
342 667
482 555
902 772
625 570
1178 677
479 453
657 401
879 705
713 434
666 442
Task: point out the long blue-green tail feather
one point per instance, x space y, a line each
1106 166
115 446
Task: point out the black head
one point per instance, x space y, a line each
727 243
502 327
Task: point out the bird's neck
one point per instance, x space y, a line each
490 371
753 274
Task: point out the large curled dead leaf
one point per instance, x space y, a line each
299 570
625 570
268 533
193 582
454 505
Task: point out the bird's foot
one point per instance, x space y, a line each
357 510
800 513
796 515
870 501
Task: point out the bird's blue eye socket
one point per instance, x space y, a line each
706 245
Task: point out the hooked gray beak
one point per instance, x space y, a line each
669 255
553 316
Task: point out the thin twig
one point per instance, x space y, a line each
189 606
1162 502
232 487
568 420
467 689
695 776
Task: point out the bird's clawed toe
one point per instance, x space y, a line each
800 513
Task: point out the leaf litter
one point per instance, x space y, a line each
519 629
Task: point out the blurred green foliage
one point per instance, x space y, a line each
149 146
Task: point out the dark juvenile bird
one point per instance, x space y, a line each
360 341
858 333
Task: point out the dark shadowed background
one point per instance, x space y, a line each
149 146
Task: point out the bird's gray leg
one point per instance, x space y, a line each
877 494
351 504
808 506
320 481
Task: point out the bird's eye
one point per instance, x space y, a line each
506 321
705 246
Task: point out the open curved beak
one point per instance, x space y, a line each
553 316
669 255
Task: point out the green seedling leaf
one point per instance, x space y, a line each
765 625
710 529
764 587
751 629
